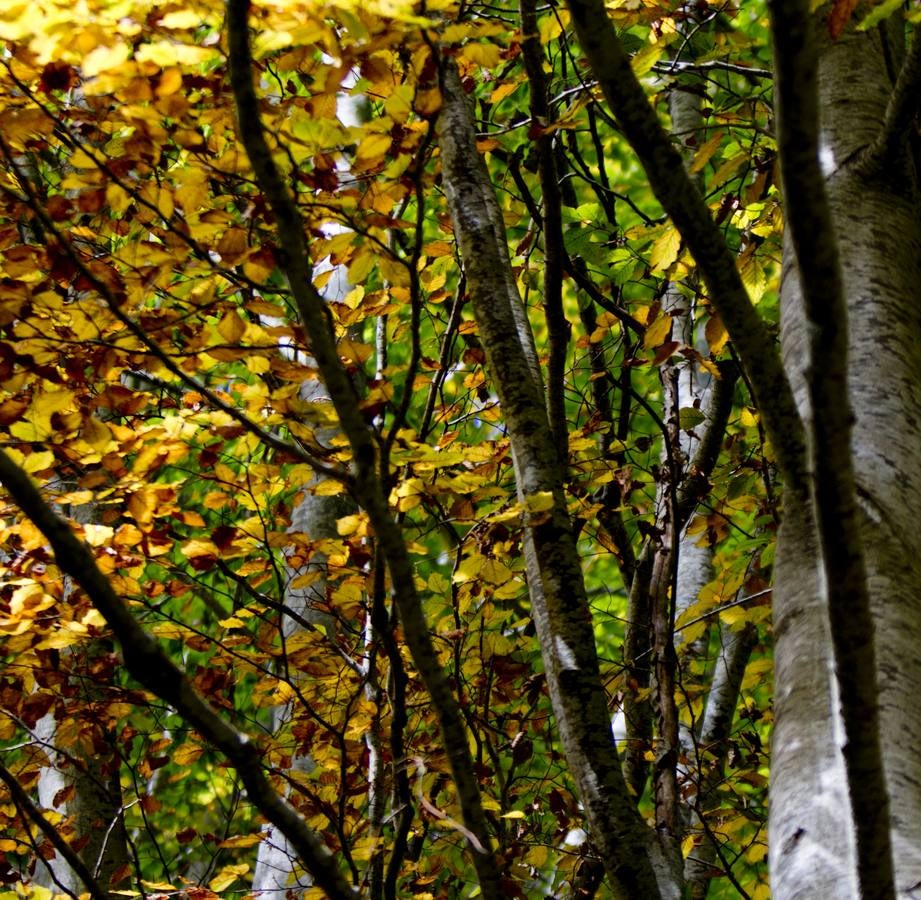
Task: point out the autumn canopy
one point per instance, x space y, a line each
394 440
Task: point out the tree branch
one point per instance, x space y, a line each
554 249
367 487
559 605
713 745
682 201
114 304
834 490
148 664
902 111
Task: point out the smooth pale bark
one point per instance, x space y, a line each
277 871
834 490
875 213
703 742
695 563
33 815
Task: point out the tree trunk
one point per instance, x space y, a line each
85 788
876 217
83 785
277 868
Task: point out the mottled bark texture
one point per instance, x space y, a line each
84 787
875 215
277 872
834 496
874 210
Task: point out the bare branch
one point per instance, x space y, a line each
554 251
902 111
713 745
559 605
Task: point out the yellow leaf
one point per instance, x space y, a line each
727 170
242 840
514 814
227 876
687 845
439 248
97 434
104 59
350 525
705 153
550 27
399 104
37 461
410 494
716 334
658 332
483 54
231 327
538 856
354 351
646 58
665 250
753 276
97 535
539 502
506 88
328 487
372 149
187 753
484 569
181 19
166 53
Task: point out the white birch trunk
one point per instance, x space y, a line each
879 234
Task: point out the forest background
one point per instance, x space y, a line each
400 406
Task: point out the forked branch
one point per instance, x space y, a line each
365 483
678 195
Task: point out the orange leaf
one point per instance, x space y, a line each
840 15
